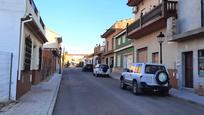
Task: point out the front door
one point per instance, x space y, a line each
189 69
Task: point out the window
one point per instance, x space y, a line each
142 55
201 62
104 66
138 68
152 69
118 60
107 43
106 60
119 41
155 57
40 58
123 39
28 51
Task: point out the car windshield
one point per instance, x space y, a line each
152 69
104 66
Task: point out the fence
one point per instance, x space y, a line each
5 75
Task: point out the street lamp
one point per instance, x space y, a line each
60 52
160 39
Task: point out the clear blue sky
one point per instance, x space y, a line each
81 22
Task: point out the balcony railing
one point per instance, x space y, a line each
165 10
34 7
42 23
133 2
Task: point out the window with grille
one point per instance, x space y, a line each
28 51
40 58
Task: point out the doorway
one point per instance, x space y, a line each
188 69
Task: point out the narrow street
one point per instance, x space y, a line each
83 94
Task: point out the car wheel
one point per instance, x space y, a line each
135 88
122 84
97 75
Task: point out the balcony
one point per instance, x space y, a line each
42 23
36 12
34 7
133 2
153 20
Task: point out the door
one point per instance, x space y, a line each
188 69
129 60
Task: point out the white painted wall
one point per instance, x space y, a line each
11 11
189 15
5 66
185 46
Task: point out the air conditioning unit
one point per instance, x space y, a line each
135 9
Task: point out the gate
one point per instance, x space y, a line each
5 75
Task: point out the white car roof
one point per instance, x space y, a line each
148 64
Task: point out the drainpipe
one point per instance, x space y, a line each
27 19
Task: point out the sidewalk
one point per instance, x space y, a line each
181 94
39 101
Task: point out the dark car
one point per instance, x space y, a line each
88 68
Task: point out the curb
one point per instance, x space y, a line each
54 99
188 100
171 94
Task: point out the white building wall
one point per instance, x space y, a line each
11 12
189 15
185 46
36 44
29 10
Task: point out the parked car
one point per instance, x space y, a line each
144 77
88 68
101 70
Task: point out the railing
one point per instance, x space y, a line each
133 26
156 12
34 7
166 9
42 23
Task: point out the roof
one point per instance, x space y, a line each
118 25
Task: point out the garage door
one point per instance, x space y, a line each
5 68
142 55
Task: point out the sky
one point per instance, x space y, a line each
82 22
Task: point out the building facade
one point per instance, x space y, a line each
123 52
51 54
190 38
98 51
150 20
23 35
108 55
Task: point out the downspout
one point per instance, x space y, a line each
23 21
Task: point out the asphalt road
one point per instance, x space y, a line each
83 94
